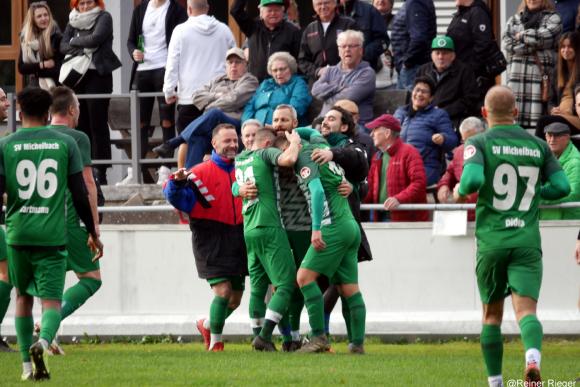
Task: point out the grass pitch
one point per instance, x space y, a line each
449 364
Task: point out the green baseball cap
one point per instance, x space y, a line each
264 3
443 42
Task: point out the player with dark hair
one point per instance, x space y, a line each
507 166
37 164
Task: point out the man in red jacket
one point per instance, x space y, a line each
469 127
397 174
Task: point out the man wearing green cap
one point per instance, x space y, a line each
456 92
267 34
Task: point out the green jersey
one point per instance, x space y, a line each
336 208
294 207
36 163
261 168
84 144
515 164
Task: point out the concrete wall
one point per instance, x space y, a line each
417 284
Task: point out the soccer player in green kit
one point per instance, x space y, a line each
37 165
507 166
5 286
65 114
333 252
270 258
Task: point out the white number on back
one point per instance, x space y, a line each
505 185
43 180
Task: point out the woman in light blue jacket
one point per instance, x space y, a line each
285 87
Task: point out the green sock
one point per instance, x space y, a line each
315 306
217 314
5 289
358 314
229 311
24 328
492 348
75 296
346 316
277 308
295 309
257 307
531 332
49 324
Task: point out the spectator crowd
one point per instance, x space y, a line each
334 60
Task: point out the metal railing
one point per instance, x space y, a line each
135 162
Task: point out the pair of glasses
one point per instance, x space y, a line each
350 46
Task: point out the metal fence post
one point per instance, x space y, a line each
11 112
135 138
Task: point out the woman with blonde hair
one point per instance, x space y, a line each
529 42
40 58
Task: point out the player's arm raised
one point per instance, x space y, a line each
290 155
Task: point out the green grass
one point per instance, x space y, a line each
449 364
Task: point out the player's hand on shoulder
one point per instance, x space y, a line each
317 241
96 247
321 156
181 174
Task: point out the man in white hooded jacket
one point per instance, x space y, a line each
195 56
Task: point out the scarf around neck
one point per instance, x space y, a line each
84 20
531 19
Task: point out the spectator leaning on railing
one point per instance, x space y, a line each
558 139
90 29
352 78
397 174
195 56
266 35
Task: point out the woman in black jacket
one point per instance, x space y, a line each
40 58
90 31
151 28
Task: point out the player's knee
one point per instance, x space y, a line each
223 289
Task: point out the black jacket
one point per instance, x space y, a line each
472 33
319 49
100 37
456 92
413 29
262 42
176 14
33 70
374 28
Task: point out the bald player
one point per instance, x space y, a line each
507 166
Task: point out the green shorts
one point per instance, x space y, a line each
299 243
338 261
3 251
38 271
80 256
270 258
238 281
503 271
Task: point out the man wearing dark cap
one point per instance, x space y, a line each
397 174
456 90
558 139
267 34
